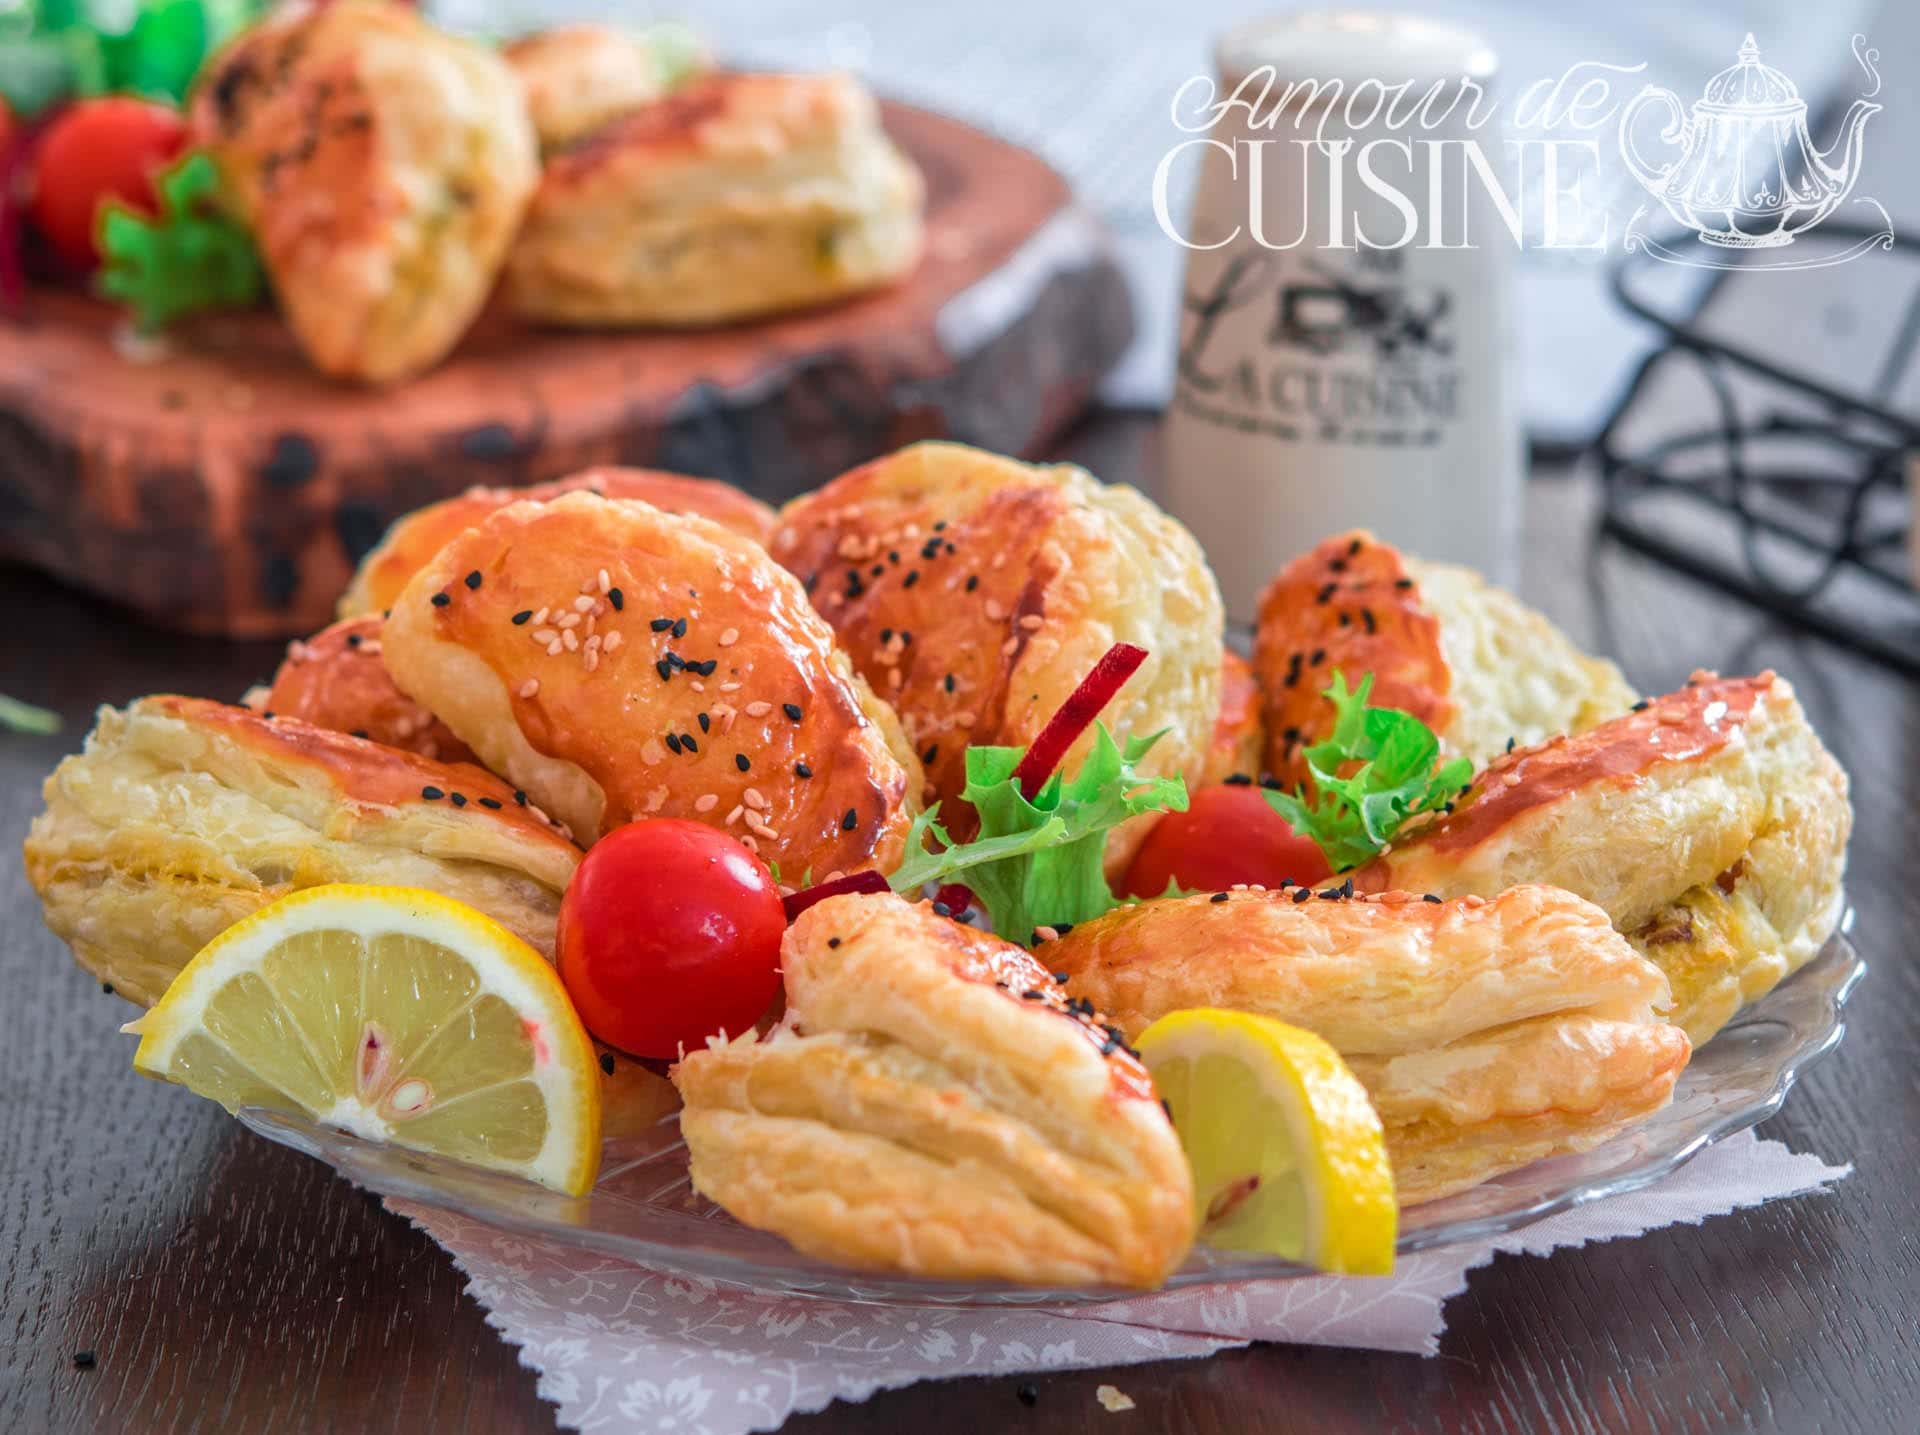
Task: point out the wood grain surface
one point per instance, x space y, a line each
228 1285
229 488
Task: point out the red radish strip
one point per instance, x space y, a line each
1076 715
854 882
956 897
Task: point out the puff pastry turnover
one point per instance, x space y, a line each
1468 659
1239 738
1711 825
336 679
1489 1033
975 591
618 662
182 816
931 1104
414 539
577 77
738 195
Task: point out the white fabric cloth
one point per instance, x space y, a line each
619 1348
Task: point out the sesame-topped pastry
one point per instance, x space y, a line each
619 662
1489 1032
1239 738
738 195
181 816
336 679
1470 660
577 77
382 166
414 539
975 591
933 1103
1710 824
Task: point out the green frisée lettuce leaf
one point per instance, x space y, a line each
190 257
1353 817
1039 863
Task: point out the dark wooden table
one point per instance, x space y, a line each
228 1285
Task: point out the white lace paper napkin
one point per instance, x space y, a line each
620 1348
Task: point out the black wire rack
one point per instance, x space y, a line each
1783 484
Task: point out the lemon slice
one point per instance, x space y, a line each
1287 1153
395 1014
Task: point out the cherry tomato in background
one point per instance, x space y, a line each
1228 834
113 146
670 933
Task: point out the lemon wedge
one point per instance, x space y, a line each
1287 1153
397 1015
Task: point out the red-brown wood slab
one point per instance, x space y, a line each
228 488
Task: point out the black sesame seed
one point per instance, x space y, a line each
1353 548
473 579
1219 897
740 761
1239 779
673 744
706 723
1338 565
458 799
606 1062
1403 583
353 639
1326 593
1509 744
1319 657
886 635
1167 1107
674 660
1060 976
687 742
913 576
941 909
880 568
440 600
941 526
931 755
947 682
432 794
617 598
1271 784
1032 994
1345 621
107 987
1303 895
664 668
1366 616
973 582
893 555
520 618
268 714
680 628
800 769
1431 898
660 625
1642 706
520 797
833 942
492 803
705 669
358 732
847 823
792 710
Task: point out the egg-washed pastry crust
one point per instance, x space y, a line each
382 166
735 196
1468 659
336 679
1711 825
933 1104
182 816
416 537
1239 737
578 77
974 592
1489 1032
618 662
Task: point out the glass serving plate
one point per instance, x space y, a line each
643 1209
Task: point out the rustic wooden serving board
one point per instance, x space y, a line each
227 488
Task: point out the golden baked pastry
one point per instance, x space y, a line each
415 538
383 166
1710 824
1489 1032
737 196
1470 660
182 816
1239 738
975 592
577 77
336 679
931 1104
618 662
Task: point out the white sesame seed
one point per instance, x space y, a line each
370 648
729 687
606 583
751 844
568 620
1513 779
753 799
760 829
590 659
705 802
994 611
652 753
543 636
964 718
540 615
613 640
697 685
529 687
1033 622
566 636
735 815
894 679
553 648
758 709
583 604
656 799
1045 934
1010 647
729 637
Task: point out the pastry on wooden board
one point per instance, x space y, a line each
930 1104
382 166
975 592
1470 660
618 662
1489 1032
578 77
1710 824
181 816
415 538
736 196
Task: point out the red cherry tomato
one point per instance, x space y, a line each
670 933
1228 834
110 146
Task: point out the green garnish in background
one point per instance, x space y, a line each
16 716
1039 863
1353 817
188 258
